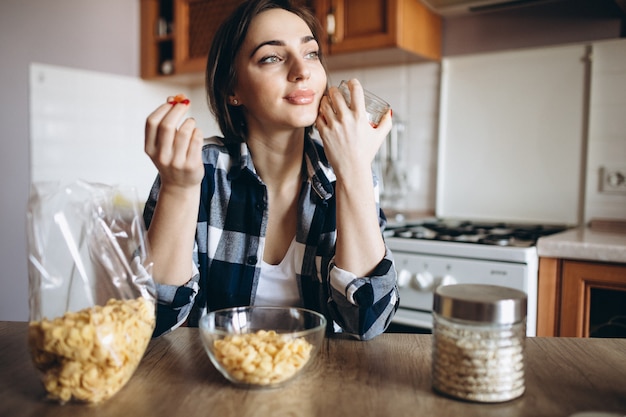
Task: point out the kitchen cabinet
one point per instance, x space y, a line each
176 34
581 298
376 32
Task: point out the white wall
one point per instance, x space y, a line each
89 125
88 34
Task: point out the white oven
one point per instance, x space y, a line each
425 263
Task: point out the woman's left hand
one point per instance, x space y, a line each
350 141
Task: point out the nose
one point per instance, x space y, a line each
299 69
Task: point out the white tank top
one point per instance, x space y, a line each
277 283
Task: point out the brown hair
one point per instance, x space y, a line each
221 74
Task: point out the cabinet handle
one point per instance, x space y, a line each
330 26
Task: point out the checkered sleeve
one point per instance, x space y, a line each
174 303
364 306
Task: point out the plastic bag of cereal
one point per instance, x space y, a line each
91 294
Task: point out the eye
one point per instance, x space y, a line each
271 59
312 55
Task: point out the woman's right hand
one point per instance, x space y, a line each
175 151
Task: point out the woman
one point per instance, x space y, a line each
277 218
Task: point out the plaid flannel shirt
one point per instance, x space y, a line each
230 238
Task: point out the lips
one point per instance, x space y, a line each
301 97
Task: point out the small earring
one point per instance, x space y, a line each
235 101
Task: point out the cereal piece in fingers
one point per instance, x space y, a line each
179 98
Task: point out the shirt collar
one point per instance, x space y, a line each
319 172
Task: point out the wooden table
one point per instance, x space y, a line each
387 376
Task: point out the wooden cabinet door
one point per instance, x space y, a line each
196 22
150 59
361 25
579 279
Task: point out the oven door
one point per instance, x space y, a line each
419 275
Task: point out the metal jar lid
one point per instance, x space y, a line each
490 304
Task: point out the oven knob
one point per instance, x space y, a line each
423 281
447 280
403 278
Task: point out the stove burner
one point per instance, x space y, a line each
498 234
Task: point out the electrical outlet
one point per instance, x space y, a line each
613 180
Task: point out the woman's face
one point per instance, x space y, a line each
280 79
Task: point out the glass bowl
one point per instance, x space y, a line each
262 347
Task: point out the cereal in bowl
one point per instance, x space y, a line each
263 357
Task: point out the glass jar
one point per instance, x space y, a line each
479 333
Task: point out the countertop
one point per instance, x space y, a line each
584 244
387 376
